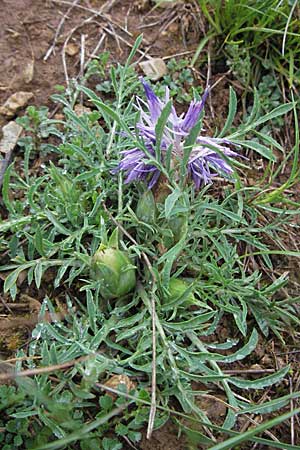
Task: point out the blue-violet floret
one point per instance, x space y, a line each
205 160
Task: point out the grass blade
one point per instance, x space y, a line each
244 437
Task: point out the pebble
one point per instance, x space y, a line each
15 102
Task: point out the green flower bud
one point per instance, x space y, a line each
179 226
146 208
114 270
180 288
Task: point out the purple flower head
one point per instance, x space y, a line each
154 104
193 114
205 163
205 160
134 164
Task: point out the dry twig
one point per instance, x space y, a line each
89 19
82 64
94 52
101 13
48 369
6 305
108 31
58 30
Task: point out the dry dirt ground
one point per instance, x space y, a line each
30 27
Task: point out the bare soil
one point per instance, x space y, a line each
28 29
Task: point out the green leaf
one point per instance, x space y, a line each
82 125
225 212
132 331
82 432
79 152
170 202
114 81
8 225
106 402
279 111
60 273
200 47
168 258
114 239
61 228
203 378
111 444
191 139
160 127
129 321
255 109
271 406
231 112
194 436
240 318
133 51
261 382
5 189
106 110
191 324
266 152
245 350
24 414
38 273
38 241
12 278
269 140
91 310
80 392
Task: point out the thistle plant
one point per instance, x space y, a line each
199 248
204 160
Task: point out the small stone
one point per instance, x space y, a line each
154 68
59 116
80 110
14 34
16 101
256 367
28 72
11 133
173 28
116 380
267 361
72 49
142 5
